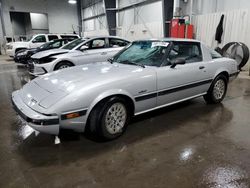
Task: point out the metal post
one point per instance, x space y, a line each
2 24
191 11
110 10
79 14
168 12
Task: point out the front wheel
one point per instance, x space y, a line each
217 90
63 65
109 119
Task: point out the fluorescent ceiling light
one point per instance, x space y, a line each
72 1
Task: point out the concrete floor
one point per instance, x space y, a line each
187 145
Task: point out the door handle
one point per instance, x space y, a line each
201 67
104 53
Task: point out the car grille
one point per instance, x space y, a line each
9 47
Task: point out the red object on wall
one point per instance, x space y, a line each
178 29
174 28
181 31
189 31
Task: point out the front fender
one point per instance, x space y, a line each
108 94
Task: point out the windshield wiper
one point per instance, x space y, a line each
111 60
132 63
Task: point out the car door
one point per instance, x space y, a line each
182 81
92 51
38 41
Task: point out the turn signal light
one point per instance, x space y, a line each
72 115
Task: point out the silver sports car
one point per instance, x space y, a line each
79 52
144 76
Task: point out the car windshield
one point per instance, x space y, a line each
146 53
46 45
29 38
73 44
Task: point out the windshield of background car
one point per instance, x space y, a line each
29 38
73 44
148 53
46 45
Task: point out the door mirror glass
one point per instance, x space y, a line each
179 61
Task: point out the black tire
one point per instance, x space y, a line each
63 64
211 97
97 121
245 50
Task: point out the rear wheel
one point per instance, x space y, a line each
63 65
217 90
109 119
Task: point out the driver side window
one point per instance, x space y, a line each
189 51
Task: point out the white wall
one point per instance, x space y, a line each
39 21
61 15
212 6
96 26
206 17
140 22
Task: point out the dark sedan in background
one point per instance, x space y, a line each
23 56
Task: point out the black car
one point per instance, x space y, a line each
23 56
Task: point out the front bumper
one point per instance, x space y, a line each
39 122
10 52
21 59
36 69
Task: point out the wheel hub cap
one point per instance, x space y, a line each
63 67
116 118
219 89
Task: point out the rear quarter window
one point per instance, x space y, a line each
190 51
215 55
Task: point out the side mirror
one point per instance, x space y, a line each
84 47
178 62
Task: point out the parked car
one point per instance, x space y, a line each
78 52
146 75
34 42
23 56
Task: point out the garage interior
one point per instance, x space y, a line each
190 144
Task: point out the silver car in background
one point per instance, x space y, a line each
146 75
78 52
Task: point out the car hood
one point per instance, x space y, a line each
86 75
47 53
48 89
21 43
71 53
